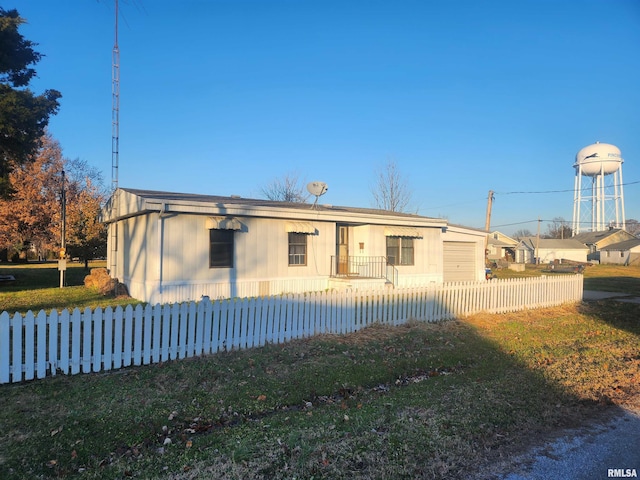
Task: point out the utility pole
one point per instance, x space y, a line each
537 242
487 224
62 262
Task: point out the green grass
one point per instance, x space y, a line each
418 401
613 278
607 278
37 287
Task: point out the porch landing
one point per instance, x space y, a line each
360 283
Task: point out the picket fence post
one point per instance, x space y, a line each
32 346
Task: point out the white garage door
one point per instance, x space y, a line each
459 261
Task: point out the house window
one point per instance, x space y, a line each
220 248
400 250
297 248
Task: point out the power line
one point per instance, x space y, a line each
516 223
536 220
557 191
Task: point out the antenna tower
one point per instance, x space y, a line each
115 107
115 141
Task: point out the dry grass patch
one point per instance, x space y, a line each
591 350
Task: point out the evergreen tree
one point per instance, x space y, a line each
24 115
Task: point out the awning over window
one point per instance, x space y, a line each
402 232
223 223
301 227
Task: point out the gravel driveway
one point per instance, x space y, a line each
605 448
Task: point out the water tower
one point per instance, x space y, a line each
598 201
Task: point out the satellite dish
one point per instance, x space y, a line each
317 189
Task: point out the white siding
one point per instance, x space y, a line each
181 272
621 257
164 257
550 255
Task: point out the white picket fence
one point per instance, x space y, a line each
37 345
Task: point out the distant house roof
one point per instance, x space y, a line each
590 238
502 240
553 243
623 246
500 243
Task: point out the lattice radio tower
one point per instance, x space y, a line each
115 107
115 146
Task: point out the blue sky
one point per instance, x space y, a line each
223 96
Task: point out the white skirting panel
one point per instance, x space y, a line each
418 280
152 292
175 292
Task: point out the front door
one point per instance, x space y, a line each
343 249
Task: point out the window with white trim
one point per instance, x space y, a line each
297 249
400 250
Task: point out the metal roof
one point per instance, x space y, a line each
557 243
625 245
234 199
594 237
129 202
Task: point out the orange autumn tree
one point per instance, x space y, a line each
86 237
30 217
30 220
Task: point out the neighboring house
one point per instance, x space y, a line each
596 241
500 246
550 250
169 247
622 253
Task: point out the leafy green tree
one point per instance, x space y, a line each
24 115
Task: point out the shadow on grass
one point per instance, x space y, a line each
441 400
618 314
629 285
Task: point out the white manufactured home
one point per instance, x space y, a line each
174 247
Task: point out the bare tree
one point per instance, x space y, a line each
633 227
391 191
558 228
523 232
286 189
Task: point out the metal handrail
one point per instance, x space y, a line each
362 266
